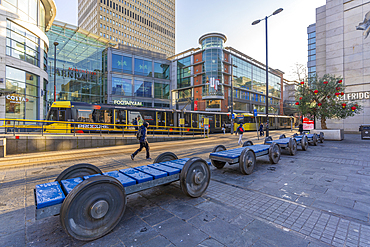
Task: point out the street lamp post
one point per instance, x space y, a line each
55 69
232 99
267 68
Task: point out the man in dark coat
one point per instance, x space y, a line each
143 141
300 128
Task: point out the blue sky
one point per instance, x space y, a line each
287 31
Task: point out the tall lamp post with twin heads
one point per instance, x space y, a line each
267 68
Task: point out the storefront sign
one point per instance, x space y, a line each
15 99
356 96
78 74
308 124
127 102
195 105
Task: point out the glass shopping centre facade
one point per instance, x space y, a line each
91 69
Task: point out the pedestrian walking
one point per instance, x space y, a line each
224 127
141 135
261 130
300 128
240 131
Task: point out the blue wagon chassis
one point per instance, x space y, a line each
91 203
245 156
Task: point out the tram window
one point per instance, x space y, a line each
160 119
102 116
247 120
120 117
149 116
85 115
62 115
53 114
218 121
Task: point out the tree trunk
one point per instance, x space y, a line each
323 123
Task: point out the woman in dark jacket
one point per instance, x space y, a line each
143 141
300 128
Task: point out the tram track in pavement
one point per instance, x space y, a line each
53 157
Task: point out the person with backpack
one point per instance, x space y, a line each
261 130
240 131
141 136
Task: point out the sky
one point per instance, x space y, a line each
287 31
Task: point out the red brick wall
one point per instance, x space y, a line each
198 56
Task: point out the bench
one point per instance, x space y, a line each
91 203
245 156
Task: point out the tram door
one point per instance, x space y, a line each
161 119
169 119
194 120
217 122
120 117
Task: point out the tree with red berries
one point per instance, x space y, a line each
323 98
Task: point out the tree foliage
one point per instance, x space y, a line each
324 98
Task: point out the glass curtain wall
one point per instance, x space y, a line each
79 66
183 72
213 68
253 78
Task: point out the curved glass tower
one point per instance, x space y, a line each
212 79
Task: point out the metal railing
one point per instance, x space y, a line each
46 127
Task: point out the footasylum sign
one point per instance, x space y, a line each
127 102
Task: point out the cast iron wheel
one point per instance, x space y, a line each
321 137
247 161
314 139
247 143
93 208
282 136
274 153
167 156
216 163
292 146
267 138
78 170
304 143
195 177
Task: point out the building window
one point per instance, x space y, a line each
23 102
143 89
161 90
121 64
161 71
22 44
143 67
121 86
45 57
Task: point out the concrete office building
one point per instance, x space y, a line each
23 56
144 24
343 49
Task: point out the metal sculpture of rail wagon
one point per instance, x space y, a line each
313 139
289 143
245 156
91 203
